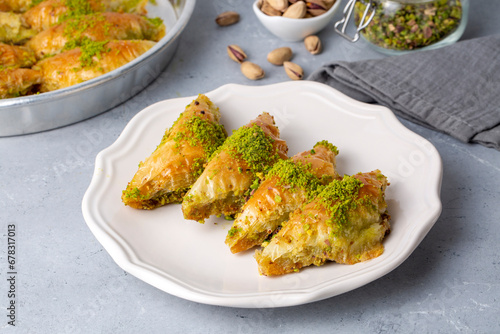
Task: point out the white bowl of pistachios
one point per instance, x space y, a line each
293 20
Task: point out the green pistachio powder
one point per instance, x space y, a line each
411 26
255 147
339 198
296 176
208 135
299 175
252 145
198 132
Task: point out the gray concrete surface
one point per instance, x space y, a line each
67 283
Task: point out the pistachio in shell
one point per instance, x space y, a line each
294 71
269 10
227 18
313 44
297 10
252 71
280 5
329 3
280 55
236 53
316 7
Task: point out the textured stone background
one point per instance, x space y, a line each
67 283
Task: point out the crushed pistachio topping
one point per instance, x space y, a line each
35 2
134 193
197 132
233 231
208 135
78 25
74 31
297 175
255 184
252 145
339 198
155 21
175 196
89 49
328 145
197 167
76 8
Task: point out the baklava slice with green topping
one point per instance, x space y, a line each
241 161
15 79
288 185
345 223
17 6
12 28
47 13
13 56
88 61
166 175
97 27
15 82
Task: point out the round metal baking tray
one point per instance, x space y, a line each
29 114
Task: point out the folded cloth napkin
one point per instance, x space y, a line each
455 89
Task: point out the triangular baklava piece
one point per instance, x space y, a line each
166 175
241 161
345 223
287 186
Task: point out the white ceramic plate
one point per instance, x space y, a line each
191 261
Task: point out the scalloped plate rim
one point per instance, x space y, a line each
126 258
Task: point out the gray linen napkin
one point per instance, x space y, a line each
455 89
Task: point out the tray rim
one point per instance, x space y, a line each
40 106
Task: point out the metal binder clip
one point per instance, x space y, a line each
363 23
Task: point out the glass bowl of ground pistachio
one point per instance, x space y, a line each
400 26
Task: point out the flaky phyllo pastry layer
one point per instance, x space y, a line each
241 161
345 223
166 175
288 185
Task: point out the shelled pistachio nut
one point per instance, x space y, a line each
227 18
297 10
294 71
280 55
252 71
236 53
313 44
280 5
